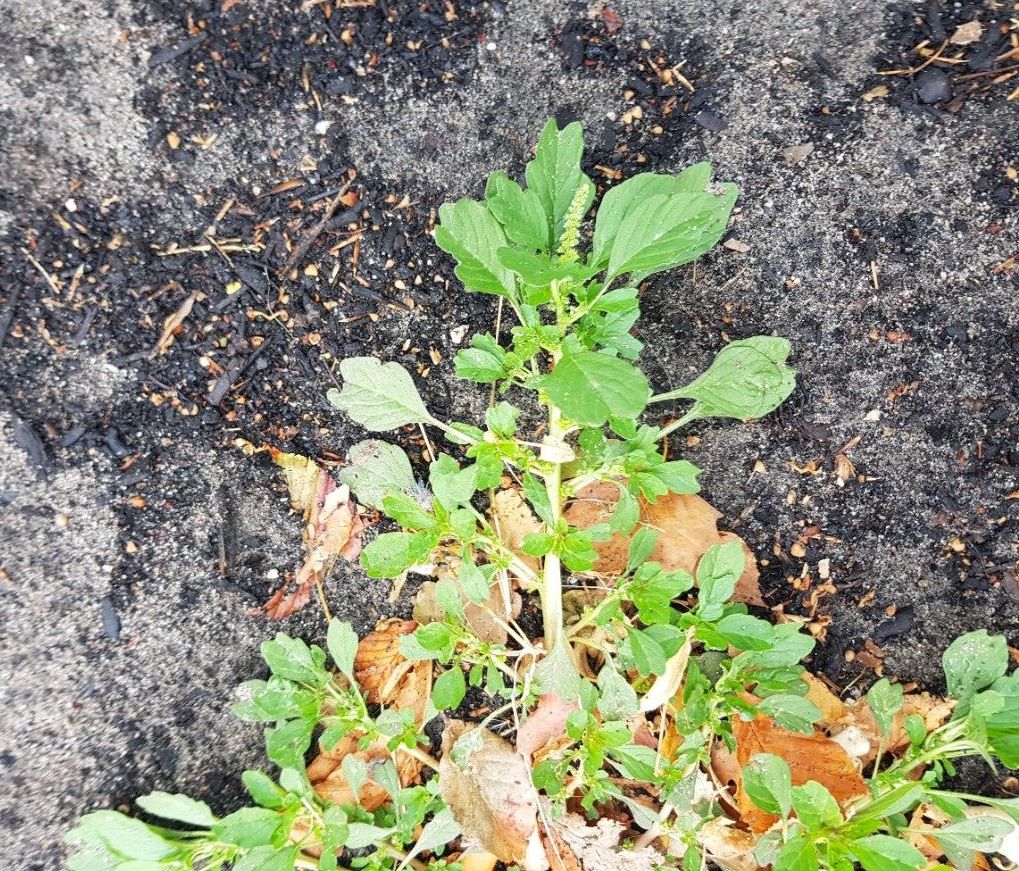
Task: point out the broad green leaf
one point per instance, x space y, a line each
363 835
449 688
746 632
791 712
408 512
619 202
379 396
438 831
483 362
974 661
556 673
286 745
885 853
341 640
355 772
292 659
249 827
983 834
519 211
884 700
646 652
268 859
641 547
679 476
895 801
376 469
334 834
747 380
123 836
618 700
392 553
662 231
452 485
796 854
262 789
473 581
502 419
555 175
175 806
767 781
815 807
589 388
471 234
717 573
260 701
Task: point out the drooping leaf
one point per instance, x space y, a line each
376 469
747 380
341 640
590 387
974 661
379 396
471 234
717 573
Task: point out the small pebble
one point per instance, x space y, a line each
111 622
933 86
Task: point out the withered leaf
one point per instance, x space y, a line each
332 528
386 676
597 846
545 722
810 757
487 785
729 848
325 773
513 519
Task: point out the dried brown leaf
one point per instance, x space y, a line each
729 848
545 722
597 846
513 519
810 757
966 33
386 676
487 786
325 773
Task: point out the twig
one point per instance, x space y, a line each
49 278
297 255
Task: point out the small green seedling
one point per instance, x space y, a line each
673 654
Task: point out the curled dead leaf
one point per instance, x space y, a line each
597 847
332 528
487 786
810 757
729 848
513 520
386 676
935 712
325 773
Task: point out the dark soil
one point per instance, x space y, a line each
137 535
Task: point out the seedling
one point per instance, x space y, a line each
640 680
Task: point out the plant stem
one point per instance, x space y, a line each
552 586
676 424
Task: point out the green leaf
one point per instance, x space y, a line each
618 700
767 781
983 834
885 853
438 831
895 801
555 174
747 380
646 652
663 231
334 833
268 859
815 807
452 485
341 640
249 827
884 700
408 512
355 772
796 854
717 573
641 546
175 806
449 688
502 419
262 701
379 396
590 387
746 632
974 661
376 469
471 234
557 673
120 835
473 581
620 202
363 835
679 476
519 211
392 553
791 712
286 745
292 659
484 362
537 543
915 728
537 495
636 761
262 788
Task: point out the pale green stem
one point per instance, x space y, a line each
676 424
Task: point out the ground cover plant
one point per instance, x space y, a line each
656 721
